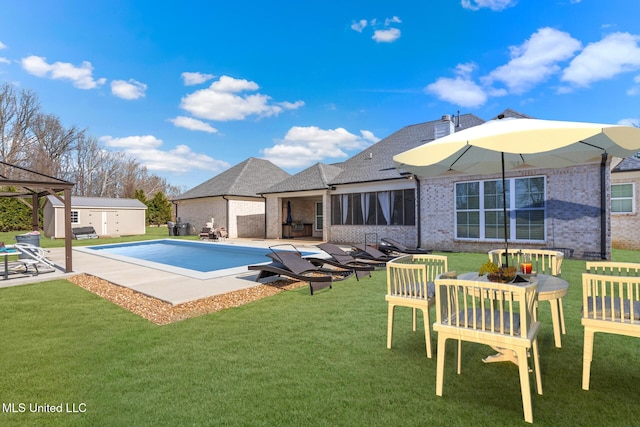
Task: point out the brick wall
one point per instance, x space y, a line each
573 211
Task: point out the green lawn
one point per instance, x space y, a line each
291 359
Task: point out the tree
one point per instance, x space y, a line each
159 209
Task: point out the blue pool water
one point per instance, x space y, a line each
187 257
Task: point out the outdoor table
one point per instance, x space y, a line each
5 252
550 288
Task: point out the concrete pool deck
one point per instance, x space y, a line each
170 287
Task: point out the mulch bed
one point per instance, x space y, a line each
163 313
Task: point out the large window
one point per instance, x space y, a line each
622 198
395 207
480 209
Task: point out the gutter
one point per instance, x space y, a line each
226 213
265 215
418 218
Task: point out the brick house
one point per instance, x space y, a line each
231 198
366 198
625 184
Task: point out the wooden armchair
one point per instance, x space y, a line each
610 304
499 315
410 284
544 261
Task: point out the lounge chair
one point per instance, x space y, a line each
290 264
369 252
32 256
391 245
347 258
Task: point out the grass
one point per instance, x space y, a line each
291 359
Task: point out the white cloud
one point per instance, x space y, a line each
224 100
191 79
2 46
615 54
386 36
495 5
180 159
461 90
193 124
304 146
393 20
81 77
4 60
382 33
535 60
131 89
629 122
635 89
359 25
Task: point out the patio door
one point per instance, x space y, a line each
318 222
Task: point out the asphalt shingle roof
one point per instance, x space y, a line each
628 164
376 162
316 177
249 178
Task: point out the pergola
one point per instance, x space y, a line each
29 186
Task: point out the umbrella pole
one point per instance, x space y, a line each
504 211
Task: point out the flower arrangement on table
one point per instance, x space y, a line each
497 274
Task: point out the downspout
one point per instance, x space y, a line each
603 206
227 214
265 215
418 222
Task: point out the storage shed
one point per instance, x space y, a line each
108 216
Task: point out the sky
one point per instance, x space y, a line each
192 88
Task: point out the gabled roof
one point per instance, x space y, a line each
376 162
248 179
316 177
99 202
627 165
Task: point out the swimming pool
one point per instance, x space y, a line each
199 260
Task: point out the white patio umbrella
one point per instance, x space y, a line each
507 144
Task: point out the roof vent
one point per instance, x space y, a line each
444 127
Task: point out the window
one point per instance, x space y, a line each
396 207
75 217
480 209
622 198
319 216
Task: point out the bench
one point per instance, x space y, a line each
81 233
610 304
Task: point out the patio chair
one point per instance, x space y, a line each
290 264
369 252
33 256
499 315
344 257
410 284
389 245
610 304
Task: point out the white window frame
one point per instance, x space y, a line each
511 211
632 197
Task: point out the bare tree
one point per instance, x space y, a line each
53 145
17 112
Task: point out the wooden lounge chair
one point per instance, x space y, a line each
344 257
502 316
611 304
290 264
388 245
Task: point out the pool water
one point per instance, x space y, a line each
194 259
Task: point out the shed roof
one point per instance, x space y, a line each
249 178
99 202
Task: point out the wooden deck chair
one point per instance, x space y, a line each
410 284
499 315
610 304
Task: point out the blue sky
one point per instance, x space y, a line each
191 88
